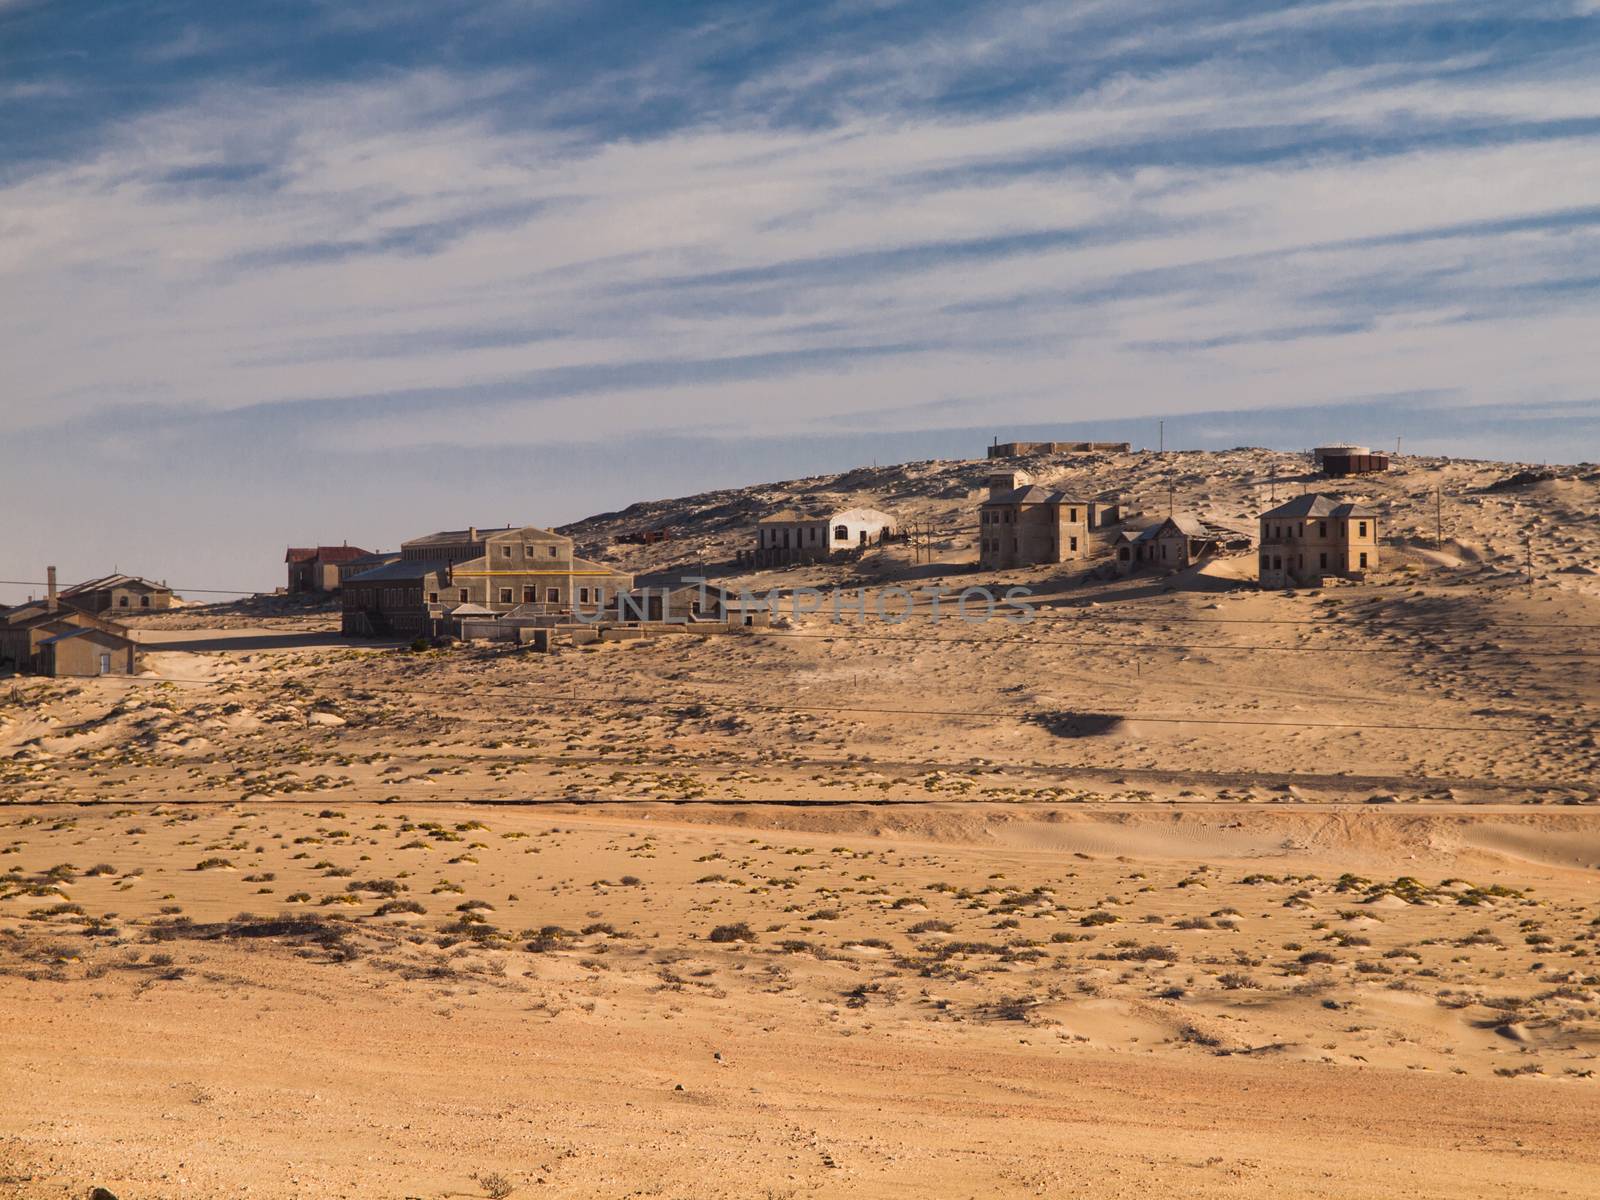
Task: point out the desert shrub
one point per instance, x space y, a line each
932 926
399 906
1317 956
1235 980
1098 917
495 1185
1148 954
740 932
210 864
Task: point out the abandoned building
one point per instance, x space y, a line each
316 568
1354 462
49 637
1026 525
366 562
790 536
1314 536
523 568
1029 449
1173 543
118 593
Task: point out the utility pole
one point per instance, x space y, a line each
1397 445
1162 443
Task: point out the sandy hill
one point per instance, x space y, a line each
1487 511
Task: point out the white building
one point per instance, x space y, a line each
791 536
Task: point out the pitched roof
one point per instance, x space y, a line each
1315 504
1033 494
84 631
456 537
25 616
327 554
111 581
401 569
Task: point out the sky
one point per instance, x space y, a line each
311 271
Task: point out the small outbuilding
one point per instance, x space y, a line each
85 651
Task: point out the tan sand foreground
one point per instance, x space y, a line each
1181 889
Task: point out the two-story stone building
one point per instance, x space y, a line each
1314 536
494 571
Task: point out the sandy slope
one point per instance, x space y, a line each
1012 1047
1183 889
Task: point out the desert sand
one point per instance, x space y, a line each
1181 889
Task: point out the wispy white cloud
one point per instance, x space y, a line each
1026 213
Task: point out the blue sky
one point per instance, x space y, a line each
312 270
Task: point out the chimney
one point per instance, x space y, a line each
472 533
52 604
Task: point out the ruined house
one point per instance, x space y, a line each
118 593
49 637
1315 536
316 568
1173 543
1021 524
792 536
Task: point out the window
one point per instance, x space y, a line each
433 597
813 533
144 601
1361 528
1322 529
1363 560
463 595
1324 563
505 595
122 602
1074 542
841 533
529 595
552 595
554 550
583 595
1072 515
505 551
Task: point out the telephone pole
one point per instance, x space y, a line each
1162 436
